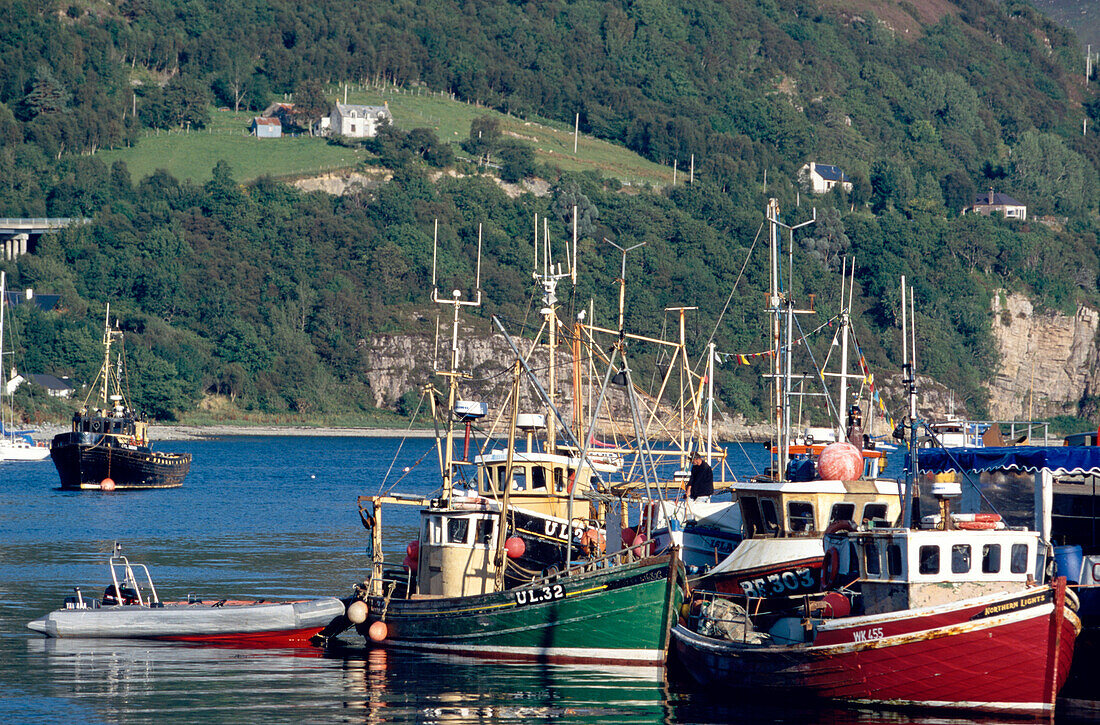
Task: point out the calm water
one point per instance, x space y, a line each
269 518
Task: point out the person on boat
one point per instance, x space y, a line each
700 485
855 427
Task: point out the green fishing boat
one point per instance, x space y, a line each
611 609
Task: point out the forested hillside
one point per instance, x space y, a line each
266 294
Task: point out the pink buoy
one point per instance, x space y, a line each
378 631
413 549
515 547
107 484
840 462
409 563
639 539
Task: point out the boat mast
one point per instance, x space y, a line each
909 360
549 277
781 359
447 443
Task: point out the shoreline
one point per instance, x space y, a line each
192 432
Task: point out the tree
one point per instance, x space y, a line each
517 162
958 191
484 137
309 103
47 94
567 196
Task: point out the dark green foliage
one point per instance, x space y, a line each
271 296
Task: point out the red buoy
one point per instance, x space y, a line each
107 484
515 547
378 631
409 563
627 536
413 549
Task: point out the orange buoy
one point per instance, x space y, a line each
378 631
107 484
515 547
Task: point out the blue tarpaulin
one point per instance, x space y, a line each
1059 460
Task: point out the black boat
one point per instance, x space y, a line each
108 447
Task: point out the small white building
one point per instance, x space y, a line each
354 121
991 203
821 178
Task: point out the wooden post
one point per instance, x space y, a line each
576 132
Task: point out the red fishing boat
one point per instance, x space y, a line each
918 633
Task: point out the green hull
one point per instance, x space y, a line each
622 614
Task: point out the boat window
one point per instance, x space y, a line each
435 530
750 514
960 558
1019 558
538 477
800 515
929 560
874 511
893 559
559 479
519 477
457 530
991 558
484 532
771 518
870 553
842 512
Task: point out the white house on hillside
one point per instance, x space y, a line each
354 121
821 178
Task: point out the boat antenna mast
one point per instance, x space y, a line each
909 366
446 451
781 308
108 337
547 278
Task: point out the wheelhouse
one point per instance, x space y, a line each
772 510
901 569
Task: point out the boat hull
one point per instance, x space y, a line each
768 568
1009 654
616 615
84 460
12 450
275 624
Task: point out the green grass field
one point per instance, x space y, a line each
193 154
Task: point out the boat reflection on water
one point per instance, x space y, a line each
471 690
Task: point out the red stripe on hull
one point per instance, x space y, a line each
258 640
1005 666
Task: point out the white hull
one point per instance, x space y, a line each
189 621
21 451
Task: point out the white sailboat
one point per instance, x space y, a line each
15 445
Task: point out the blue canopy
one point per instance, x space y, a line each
1059 460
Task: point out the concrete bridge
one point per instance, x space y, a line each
18 234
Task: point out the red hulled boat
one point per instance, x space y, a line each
974 633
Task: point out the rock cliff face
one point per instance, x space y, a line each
1048 360
400 363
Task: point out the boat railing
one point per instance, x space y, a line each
129 579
